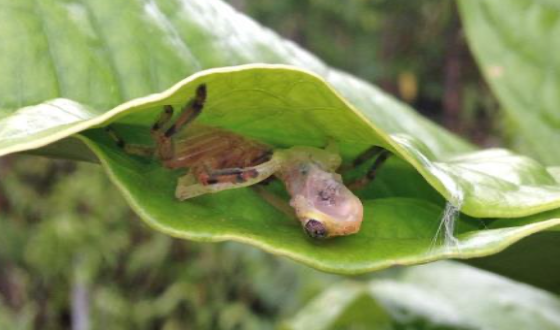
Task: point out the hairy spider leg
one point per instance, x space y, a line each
160 134
381 155
367 155
231 174
133 149
163 119
189 112
191 185
163 136
163 146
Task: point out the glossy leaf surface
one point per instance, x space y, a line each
428 297
521 66
98 59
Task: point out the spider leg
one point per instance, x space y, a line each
189 112
202 180
164 145
163 135
381 154
367 155
163 119
133 149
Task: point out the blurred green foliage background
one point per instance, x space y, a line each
68 237
72 253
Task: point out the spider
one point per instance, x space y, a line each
218 160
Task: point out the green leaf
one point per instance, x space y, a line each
396 231
428 297
520 65
346 305
286 106
97 57
156 43
533 260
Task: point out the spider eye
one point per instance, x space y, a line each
315 229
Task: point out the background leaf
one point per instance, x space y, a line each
428 297
344 305
100 58
520 66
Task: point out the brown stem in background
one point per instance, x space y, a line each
389 46
4 201
452 76
10 288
